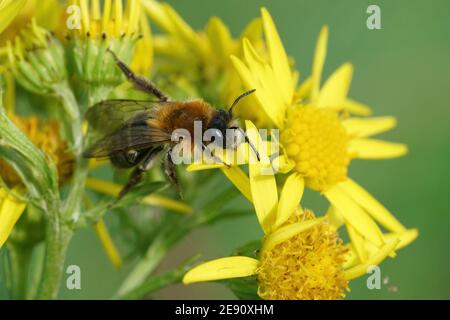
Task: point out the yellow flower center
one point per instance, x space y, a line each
45 135
307 266
316 141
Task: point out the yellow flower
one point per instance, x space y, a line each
37 59
301 256
113 189
15 15
8 11
318 137
199 60
11 208
45 135
125 31
307 266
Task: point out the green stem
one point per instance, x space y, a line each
71 209
57 239
155 283
165 240
72 204
170 235
73 117
19 260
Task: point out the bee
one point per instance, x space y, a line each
134 132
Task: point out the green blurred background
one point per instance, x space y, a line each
401 70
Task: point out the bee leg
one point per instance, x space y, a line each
138 173
170 171
239 129
214 157
139 82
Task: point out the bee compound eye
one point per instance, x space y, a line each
132 155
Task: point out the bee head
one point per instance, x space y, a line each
220 120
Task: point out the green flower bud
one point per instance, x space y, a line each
37 60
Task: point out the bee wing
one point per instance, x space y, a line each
107 116
131 136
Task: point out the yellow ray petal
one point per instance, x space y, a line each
219 34
85 18
244 73
262 182
133 16
95 9
284 233
290 197
355 215
203 166
361 128
371 205
106 14
304 90
278 58
240 180
157 200
351 258
376 149
143 56
358 243
113 189
156 12
224 268
10 211
334 217
9 9
357 108
95 163
319 61
108 244
268 88
252 31
184 31
283 164
405 239
334 92
374 260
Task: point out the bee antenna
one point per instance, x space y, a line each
112 53
230 112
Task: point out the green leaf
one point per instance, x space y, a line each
37 171
251 249
244 288
154 283
138 193
132 198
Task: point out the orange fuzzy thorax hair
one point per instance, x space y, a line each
177 115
